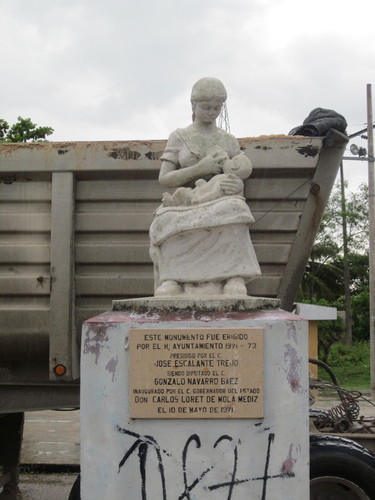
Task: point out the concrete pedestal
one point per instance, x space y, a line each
194 458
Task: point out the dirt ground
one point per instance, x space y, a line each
46 486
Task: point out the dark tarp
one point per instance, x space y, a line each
319 122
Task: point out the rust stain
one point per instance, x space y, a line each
294 368
154 155
111 366
8 179
308 151
8 148
40 280
266 137
288 464
124 154
63 145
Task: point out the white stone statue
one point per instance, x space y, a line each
200 242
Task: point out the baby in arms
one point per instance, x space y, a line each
237 167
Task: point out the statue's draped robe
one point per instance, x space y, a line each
205 242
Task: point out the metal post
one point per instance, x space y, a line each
371 194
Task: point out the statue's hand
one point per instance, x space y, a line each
210 165
231 184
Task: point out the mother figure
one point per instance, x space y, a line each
203 248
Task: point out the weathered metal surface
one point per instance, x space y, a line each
114 190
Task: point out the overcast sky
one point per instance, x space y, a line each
123 69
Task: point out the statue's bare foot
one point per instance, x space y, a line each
168 287
235 286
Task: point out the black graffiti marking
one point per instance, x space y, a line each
271 438
142 454
143 443
263 478
234 472
190 487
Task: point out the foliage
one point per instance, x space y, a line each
329 331
324 275
351 365
361 315
343 355
330 233
23 130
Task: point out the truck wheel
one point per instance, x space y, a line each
340 469
75 492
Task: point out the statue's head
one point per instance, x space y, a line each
240 165
208 89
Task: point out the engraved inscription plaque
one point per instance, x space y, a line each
196 373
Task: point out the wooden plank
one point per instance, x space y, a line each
128 254
129 189
117 206
24 238
25 222
111 286
268 253
25 191
273 269
24 321
112 238
113 271
104 222
81 156
24 302
135 286
24 285
280 152
123 189
274 221
265 153
14 207
30 254
62 346
272 238
276 205
277 189
264 286
114 254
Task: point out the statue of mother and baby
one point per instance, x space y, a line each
200 241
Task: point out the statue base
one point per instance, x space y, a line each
198 398
200 303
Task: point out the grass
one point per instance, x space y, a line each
351 365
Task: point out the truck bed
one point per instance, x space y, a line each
74 236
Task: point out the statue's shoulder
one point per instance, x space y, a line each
227 135
229 141
178 136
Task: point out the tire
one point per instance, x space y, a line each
75 492
340 469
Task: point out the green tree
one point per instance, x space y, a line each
23 130
324 274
